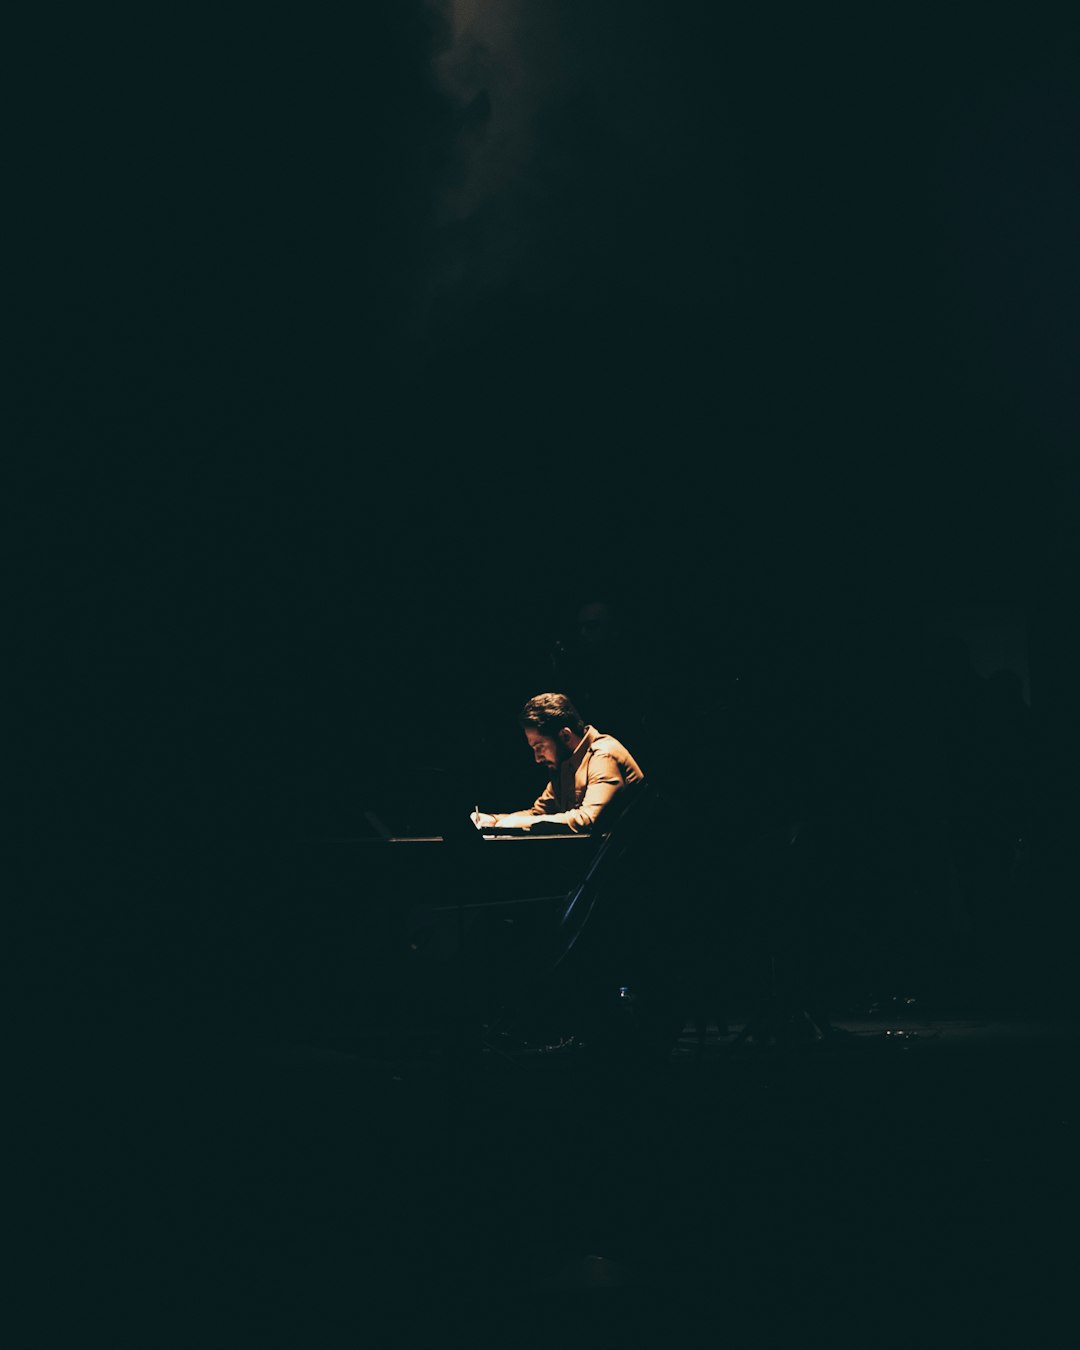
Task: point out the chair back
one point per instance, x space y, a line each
626 835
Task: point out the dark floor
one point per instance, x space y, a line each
872 1179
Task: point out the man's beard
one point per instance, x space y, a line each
561 756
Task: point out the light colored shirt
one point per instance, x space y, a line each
585 784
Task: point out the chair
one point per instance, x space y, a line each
588 977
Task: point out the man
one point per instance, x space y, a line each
587 770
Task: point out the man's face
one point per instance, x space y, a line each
547 750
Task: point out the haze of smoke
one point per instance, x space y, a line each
565 168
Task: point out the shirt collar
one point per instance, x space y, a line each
588 736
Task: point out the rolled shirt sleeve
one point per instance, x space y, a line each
605 779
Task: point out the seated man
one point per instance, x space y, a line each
587 770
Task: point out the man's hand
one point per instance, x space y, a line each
482 820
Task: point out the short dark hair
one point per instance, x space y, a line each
549 713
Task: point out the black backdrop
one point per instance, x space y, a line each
344 376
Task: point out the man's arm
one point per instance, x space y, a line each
605 780
543 806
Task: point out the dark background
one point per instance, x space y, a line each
358 352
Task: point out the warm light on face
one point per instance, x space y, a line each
544 748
